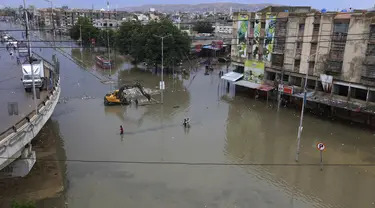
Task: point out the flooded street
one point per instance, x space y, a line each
238 152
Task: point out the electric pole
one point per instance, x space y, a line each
162 86
109 51
301 119
30 55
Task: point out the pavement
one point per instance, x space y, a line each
11 90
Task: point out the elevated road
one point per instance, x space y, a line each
11 90
17 131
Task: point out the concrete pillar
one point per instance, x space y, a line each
332 89
349 92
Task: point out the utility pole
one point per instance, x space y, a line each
109 51
30 53
80 38
301 119
53 22
162 65
279 91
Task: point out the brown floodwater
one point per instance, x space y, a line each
238 152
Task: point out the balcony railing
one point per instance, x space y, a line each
368 71
333 66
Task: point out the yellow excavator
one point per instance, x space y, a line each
119 96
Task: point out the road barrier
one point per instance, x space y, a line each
26 120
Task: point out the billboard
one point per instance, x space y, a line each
242 34
269 40
256 44
254 71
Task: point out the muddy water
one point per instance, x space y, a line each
239 131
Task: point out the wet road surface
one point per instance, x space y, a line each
12 90
104 169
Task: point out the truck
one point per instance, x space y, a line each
39 75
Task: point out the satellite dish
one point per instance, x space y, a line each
324 10
286 10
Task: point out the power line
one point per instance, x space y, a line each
275 44
196 163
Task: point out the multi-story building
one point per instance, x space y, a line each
64 17
280 45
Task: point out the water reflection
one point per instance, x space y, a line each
46 181
254 136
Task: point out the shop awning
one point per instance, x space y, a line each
232 76
253 85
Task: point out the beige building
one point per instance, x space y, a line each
288 42
68 17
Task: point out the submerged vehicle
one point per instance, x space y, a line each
123 97
103 62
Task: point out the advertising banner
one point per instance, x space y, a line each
254 71
256 45
242 35
270 37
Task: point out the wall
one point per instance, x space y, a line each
355 50
290 45
325 36
13 145
306 44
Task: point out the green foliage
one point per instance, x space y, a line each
138 40
22 205
203 27
142 43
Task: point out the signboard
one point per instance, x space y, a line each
320 146
286 89
162 85
254 71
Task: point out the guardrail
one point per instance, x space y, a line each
27 118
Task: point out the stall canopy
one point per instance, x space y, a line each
253 85
232 76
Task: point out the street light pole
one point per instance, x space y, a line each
109 51
301 119
53 22
162 65
30 59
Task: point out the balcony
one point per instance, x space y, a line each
300 35
298 53
340 37
277 61
333 67
368 71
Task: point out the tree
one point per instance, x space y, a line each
203 27
23 205
85 27
141 42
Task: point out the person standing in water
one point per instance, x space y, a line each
121 130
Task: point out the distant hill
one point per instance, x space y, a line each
220 7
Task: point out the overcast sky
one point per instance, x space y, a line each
318 4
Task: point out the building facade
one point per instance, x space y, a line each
280 45
64 17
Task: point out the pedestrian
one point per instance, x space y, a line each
121 130
18 60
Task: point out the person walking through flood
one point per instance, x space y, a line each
121 130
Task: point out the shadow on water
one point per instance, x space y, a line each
46 181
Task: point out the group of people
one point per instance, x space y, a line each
185 123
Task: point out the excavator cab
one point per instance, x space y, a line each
118 96
114 98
